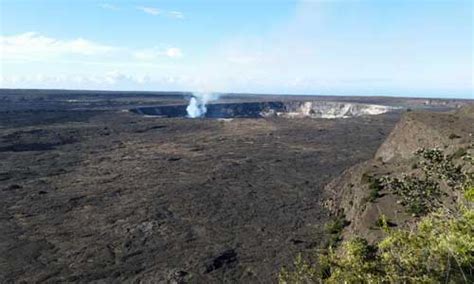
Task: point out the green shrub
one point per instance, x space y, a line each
375 187
366 178
437 165
303 272
418 195
421 194
334 240
438 249
459 153
382 222
469 194
336 226
356 262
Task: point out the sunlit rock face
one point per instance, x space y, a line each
320 109
288 109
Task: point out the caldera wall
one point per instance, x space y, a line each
316 109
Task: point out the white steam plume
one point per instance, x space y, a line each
196 108
197 104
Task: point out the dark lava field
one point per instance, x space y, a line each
93 192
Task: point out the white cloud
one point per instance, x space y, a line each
155 12
174 52
33 46
111 80
149 10
108 6
155 53
176 14
241 59
145 54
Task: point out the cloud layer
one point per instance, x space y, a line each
149 10
158 12
156 53
32 46
153 11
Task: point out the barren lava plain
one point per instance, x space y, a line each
91 192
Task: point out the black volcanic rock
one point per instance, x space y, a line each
227 260
121 207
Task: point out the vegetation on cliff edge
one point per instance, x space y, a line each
438 248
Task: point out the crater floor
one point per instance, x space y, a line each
289 109
114 196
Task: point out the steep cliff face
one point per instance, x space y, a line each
290 109
424 129
356 195
321 109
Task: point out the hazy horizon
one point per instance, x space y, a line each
465 95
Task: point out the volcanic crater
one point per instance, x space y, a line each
315 109
92 192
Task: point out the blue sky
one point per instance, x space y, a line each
404 47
